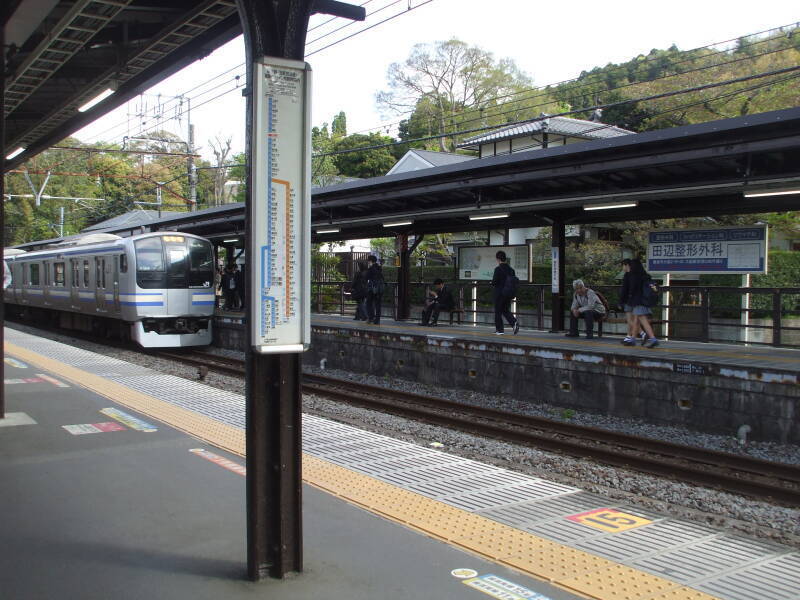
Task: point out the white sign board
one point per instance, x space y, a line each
280 212
477 263
708 251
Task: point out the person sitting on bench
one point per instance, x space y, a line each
586 305
439 299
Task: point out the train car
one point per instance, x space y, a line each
154 288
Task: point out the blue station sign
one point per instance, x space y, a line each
708 251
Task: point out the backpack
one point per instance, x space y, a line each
510 285
604 302
375 286
649 293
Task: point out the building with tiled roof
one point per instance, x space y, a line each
539 133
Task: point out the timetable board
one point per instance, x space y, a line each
280 210
477 263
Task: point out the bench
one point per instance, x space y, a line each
607 319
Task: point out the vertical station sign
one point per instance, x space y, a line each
280 210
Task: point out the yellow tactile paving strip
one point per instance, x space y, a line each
223 435
561 565
554 343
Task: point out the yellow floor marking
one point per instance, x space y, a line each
557 343
580 572
220 434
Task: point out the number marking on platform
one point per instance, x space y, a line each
609 519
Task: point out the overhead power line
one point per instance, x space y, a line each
572 112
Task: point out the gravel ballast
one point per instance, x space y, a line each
723 510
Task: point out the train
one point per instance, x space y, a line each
156 289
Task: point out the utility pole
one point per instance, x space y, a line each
192 169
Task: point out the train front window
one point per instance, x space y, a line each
176 269
149 255
201 263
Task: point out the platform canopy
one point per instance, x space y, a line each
61 54
716 168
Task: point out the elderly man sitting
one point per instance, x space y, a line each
586 304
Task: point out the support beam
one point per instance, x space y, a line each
272 385
272 388
403 278
559 293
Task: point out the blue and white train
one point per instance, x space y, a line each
154 288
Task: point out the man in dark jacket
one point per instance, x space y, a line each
439 299
228 286
502 301
358 291
375 285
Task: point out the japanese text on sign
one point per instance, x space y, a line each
281 207
722 250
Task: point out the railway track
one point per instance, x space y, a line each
776 482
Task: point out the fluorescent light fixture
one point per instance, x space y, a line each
397 223
230 241
331 230
96 100
775 193
627 204
492 216
16 152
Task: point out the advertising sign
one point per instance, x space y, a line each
708 251
281 209
477 263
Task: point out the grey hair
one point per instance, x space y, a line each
578 283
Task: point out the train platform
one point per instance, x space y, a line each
716 388
126 482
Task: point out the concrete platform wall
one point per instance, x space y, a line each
659 390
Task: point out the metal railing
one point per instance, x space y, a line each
769 316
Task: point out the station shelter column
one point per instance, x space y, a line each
558 291
272 389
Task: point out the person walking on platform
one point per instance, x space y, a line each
228 285
504 290
639 300
634 330
586 305
358 291
240 292
375 285
439 299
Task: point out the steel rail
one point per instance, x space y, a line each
616 449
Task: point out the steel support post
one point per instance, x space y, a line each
5 13
404 278
272 388
274 403
559 293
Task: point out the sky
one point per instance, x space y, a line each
547 44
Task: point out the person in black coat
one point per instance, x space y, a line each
502 301
439 299
375 285
228 286
630 298
358 291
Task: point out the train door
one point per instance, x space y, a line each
46 267
75 283
99 283
115 278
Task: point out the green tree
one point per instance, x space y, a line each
363 163
448 83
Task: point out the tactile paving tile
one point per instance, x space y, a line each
617 582
777 579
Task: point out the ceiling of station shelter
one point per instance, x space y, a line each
63 53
